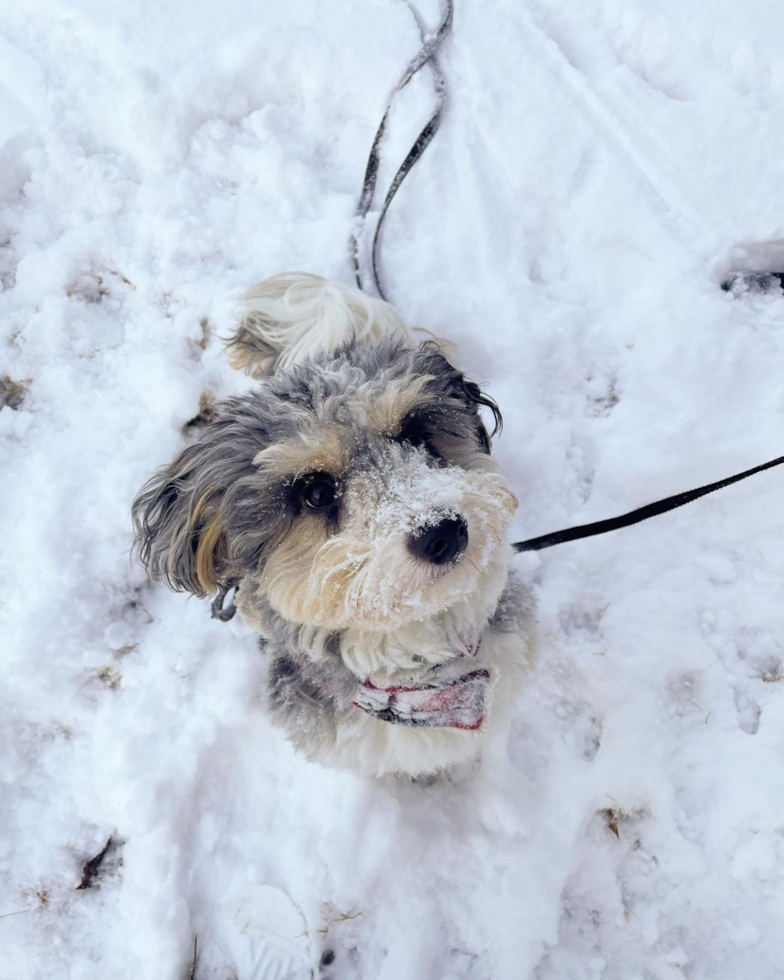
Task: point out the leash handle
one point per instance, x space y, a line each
426 54
640 514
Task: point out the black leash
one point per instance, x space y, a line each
425 55
635 516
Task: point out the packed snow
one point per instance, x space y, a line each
600 170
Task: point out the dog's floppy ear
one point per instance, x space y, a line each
475 396
431 359
180 535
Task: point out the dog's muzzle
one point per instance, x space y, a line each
457 704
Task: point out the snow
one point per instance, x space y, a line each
600 170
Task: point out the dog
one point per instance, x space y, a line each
352 500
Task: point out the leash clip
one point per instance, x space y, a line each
217 610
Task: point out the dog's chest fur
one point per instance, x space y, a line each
313 677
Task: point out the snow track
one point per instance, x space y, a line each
614 113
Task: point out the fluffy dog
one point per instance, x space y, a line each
352 498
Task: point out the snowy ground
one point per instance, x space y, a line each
601 168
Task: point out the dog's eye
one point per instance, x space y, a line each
320 492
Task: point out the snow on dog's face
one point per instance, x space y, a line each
356 490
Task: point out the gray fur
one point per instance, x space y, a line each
218 475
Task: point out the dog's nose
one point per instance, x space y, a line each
442 542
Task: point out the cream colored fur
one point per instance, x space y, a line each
374 748
399 656
294 315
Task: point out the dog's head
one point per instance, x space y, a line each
355 489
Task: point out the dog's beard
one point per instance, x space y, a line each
432 673
365 577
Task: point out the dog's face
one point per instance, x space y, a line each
355 490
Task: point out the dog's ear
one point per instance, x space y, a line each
180 534
431 360
474 395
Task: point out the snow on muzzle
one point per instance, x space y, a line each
414 540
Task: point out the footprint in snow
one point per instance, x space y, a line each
755 268
261 936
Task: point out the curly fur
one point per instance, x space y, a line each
339 595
